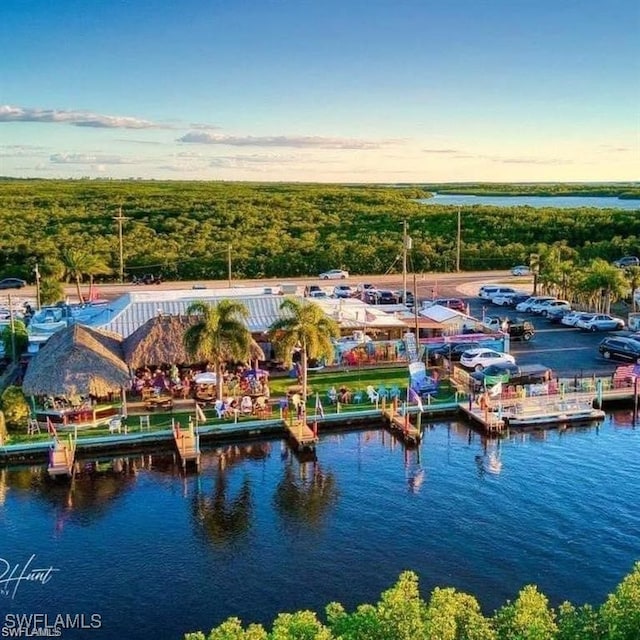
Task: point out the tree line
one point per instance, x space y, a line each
401 614
186 230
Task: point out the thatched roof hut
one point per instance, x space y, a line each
77 360
160 340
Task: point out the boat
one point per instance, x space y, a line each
561 412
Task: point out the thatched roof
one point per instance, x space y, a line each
77 360
160 340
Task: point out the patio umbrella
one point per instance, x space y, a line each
208 377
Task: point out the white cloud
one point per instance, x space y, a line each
300 142
10 113
87 158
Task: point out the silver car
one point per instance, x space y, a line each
600 322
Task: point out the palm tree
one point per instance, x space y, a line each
79 262
633 276
220 334
303 326
605 284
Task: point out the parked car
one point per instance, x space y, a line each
334 274
342 291
452 351
526 305
505 299
538 306
600 322
627 261
410 298
545 308
386 296
12 283
509 373
363 290
487 292
318 294
147 278
457 304
516 299
619 348
311 288
571 318
520 329
555 315
482 357
521 270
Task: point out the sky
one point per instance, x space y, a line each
321 90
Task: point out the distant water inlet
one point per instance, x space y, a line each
563 202
259 530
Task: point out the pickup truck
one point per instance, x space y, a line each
511 374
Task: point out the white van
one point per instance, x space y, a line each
488 291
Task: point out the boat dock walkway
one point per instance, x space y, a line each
302 435
187 443
61 457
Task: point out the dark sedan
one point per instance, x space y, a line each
451 351
12 283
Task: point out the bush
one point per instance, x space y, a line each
15 408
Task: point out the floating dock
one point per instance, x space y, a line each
187 443
554 410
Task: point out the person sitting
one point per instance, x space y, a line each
332 395
344 395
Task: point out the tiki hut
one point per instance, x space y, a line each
77 360
159 340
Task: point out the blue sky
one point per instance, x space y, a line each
321 90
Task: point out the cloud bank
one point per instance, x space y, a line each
298 142
10 113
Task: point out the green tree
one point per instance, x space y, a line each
15 408
306 327
231 629
621 612
79 262
633 277
17 336
604 283
301 625
582 623
3 429
528 618
51 291
456 616
219 335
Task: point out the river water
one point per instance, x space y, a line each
563 202
258 531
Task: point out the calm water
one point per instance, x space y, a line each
564 202
258 531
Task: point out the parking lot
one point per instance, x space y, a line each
566 350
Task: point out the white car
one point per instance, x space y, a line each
334 274
318 294
480 358
571 318
521 270
552 306
528 304
505 299
489 291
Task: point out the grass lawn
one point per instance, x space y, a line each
319 382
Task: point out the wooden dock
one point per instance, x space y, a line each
401 424
187 443
304 438
61 457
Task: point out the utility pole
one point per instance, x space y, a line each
37 272
229 264
14 355
120 219
459 236
405 247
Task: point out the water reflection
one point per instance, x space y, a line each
414 469
93 490
220 513
306 494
